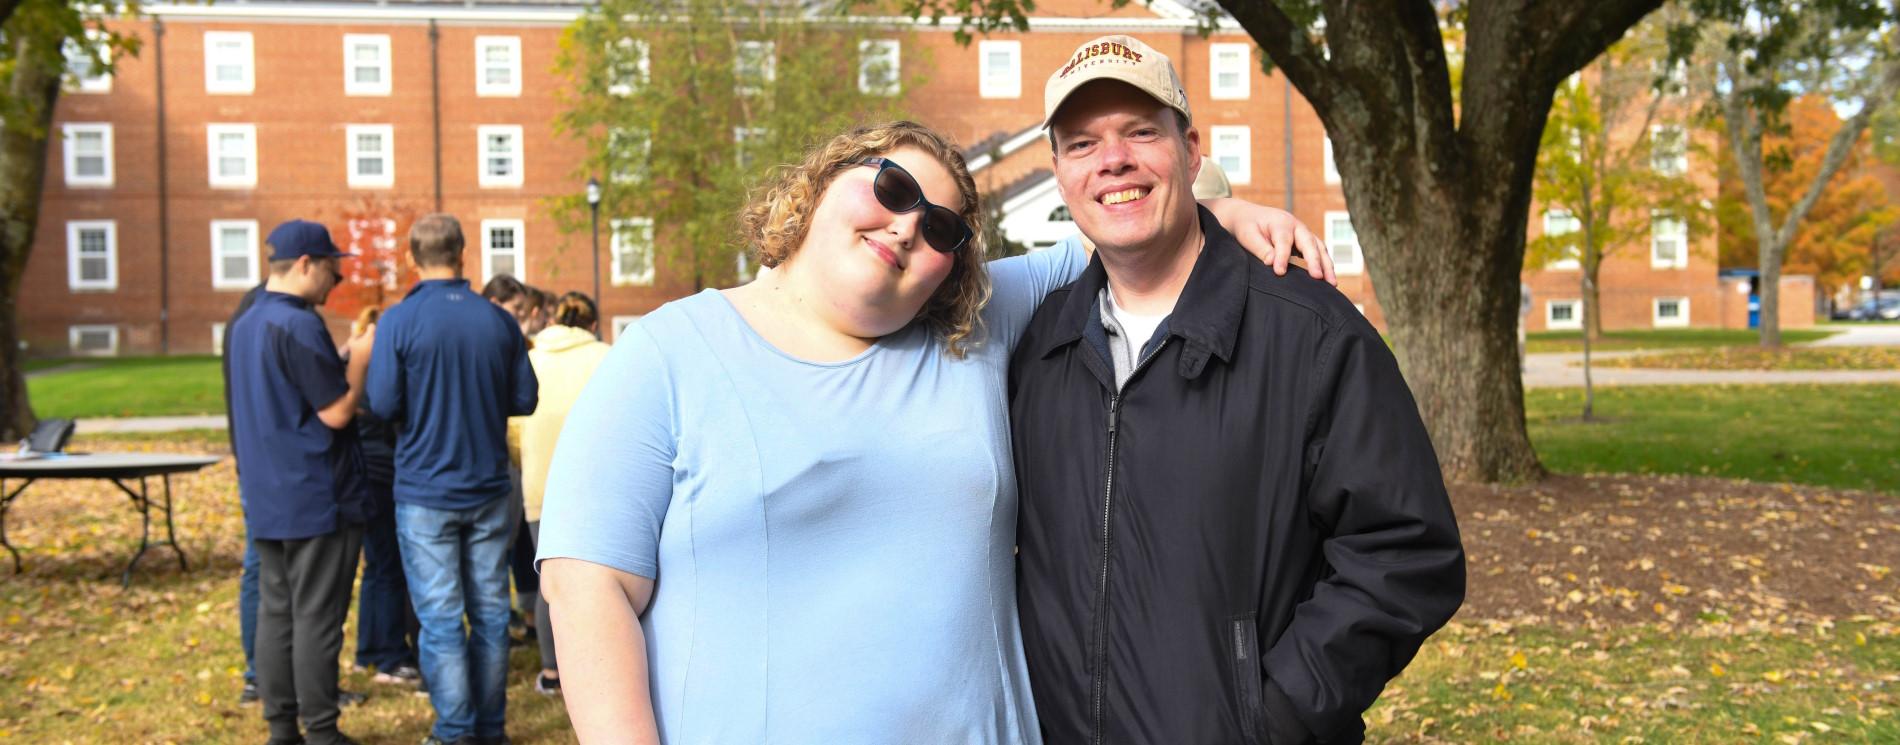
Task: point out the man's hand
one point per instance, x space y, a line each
357 351
1272 235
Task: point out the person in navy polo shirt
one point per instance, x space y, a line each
449 371
301 479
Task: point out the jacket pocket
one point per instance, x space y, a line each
1250 704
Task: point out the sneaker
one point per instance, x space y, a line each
433 740
547 686
497 740
406 675
346 699
249 695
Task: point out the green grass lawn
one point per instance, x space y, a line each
1828 435
131 386
1612 341
1757 358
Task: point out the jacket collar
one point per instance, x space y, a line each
1206 317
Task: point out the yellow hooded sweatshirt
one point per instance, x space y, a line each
564 358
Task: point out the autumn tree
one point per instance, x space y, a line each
36 39
1761 54
731 88
1441 185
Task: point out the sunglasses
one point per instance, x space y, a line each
944 229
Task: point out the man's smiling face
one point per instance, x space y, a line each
1125 166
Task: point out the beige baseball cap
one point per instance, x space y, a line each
1212 183
1117 57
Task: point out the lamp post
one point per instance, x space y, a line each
593 208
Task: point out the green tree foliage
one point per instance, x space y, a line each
36 39
686 106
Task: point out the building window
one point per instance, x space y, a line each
501 154
880 61
1669 149
93 341
92 255
228 63
754 66
88 154
633 251
1332 166
497 65
1227 70
234 254
503 250
1559 223
1343 241
746 142
1670 312
233 149
628 152
1668 241
84 73
1233 150
217 338
371 151
366 67
628 67
1563 315
1002 69
621 323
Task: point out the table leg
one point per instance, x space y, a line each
171 534
6 501
145 526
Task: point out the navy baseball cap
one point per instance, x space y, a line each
302 238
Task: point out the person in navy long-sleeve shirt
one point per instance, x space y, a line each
448 370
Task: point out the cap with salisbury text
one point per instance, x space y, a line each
1120 58
302 238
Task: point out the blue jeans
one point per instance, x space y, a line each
382 611
247 608
457 563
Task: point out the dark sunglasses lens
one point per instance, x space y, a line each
943 229
896 190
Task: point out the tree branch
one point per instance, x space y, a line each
1587 29
1288 44
1838 148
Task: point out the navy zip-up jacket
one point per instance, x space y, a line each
1246 540
448 369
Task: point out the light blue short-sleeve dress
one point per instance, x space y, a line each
832 544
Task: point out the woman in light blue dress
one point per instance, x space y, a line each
786 512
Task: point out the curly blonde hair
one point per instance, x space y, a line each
776 220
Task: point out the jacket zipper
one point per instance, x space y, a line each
1100 680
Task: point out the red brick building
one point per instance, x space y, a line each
163 179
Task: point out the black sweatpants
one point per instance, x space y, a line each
304 596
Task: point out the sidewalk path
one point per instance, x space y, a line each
148 424
1564 370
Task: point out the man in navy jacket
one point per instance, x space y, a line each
1233 527
449 371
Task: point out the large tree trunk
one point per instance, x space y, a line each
22 172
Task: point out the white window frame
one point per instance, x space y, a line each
74 52
1228 59
73 279
1243 172
482 86
519 252
1682 315
213 132
635 167
622 230
69 132
248 63
873 52
353 154
520 156
217 338
1358 263
1576 314
221 281
74 332
620 323
1331 166
999 83
1560 222
741 136
767 54
1674 164
643 67
354 87
1657 221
